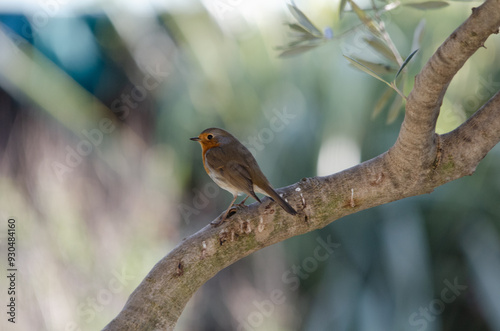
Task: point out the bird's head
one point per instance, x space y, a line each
213 137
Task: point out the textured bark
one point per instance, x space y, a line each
420 161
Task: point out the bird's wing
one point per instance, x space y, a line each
231 172
215 157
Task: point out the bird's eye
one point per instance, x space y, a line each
209 137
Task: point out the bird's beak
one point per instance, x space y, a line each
195 139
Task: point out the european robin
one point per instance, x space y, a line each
231 166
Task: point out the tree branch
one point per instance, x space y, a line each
417 140
419 161
468 144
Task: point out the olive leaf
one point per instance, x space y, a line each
304 21
298 28
378 68
297 50
381 48
382 102
405 63
365 69
427 5
342 7
418 34
306 36
366 20
393 113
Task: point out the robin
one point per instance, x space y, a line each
233 168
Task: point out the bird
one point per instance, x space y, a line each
232 167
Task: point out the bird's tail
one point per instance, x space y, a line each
276 197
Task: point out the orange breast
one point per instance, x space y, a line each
205 146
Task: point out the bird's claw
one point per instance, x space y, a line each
230 212
217 222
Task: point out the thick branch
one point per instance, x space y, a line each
416 141
468 144
418 162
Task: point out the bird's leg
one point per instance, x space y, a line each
223 218
242 203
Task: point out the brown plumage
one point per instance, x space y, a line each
231 166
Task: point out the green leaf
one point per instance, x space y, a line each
298 28
382 102
304 21
365 69
378 68
427 5
405 63
393 113
381 48
342 7
366 20
304 41
418 34
297 50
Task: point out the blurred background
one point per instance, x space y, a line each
98 100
